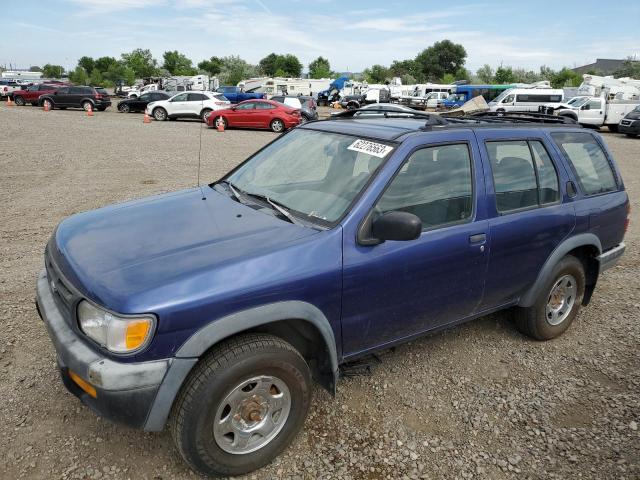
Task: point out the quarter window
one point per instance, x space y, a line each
589 162
434 184
523 175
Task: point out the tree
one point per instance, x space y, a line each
141 61
269 64
520 75
213 66
320 68
376 74
103 64
399 68
566 78
87 63
286 65
178 64
290 65
35 68
235 69
96 79
629 68
52 71
485 74
79 76
440 58
504 75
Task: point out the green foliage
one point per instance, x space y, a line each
403 67
35 68
630 68
504 75
104 63
79 76
320 68
213 66
235 69
565 78
96 79
288 65
440 58
485 74
408 79
87 63
376 74
52 71
178 64
141 61
448 78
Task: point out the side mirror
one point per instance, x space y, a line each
400 226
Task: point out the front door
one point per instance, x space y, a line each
400 288
243 115
178 105
592 112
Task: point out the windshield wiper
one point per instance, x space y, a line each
234 192
284 211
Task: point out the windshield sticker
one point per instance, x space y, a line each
370 148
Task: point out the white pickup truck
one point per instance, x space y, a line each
598 111
7 87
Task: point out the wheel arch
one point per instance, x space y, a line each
301 324
586 247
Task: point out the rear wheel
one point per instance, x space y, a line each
204 115
277 125
557 305
19 101
242 405
160 114
86 105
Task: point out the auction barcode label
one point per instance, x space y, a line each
371 148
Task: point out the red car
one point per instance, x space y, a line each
32 93
264 114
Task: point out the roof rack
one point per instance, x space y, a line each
516 117
391 114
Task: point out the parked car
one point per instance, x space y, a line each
381 109
630 124
263 114
305 103
526 99
77 97
32 93
599 112
7 87
187 105
139 104
214 308
237 95
371 95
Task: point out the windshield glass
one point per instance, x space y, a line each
499 98
314 173
637 109
578 101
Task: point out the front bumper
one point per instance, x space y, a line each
125 392
629 126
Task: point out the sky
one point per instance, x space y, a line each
351 34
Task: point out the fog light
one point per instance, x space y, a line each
86 386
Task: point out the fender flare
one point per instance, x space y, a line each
580 240
218 330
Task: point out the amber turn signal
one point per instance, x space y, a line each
136 333
86 386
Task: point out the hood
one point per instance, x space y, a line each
633 115
116 253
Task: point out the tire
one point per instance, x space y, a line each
86 104
612 128
19 101
204 114
631 135
217 120
101 109
538 321
48 103
217 387
159 114
124 108
277 125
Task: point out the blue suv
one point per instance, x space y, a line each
214 308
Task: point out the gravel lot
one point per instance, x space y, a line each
477 401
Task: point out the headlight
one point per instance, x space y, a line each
117 334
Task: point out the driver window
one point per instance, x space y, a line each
594 105
435 184
246 106
508 99
182 97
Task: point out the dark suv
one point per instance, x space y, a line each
216 307
77 97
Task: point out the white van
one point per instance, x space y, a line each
526 99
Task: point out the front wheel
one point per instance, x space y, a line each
557 304
124 108
160 114
220 121
612 128
242 405
19 101
48 104
277 125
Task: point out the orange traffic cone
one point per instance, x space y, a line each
90 111
220 126
147 118
9 102
46 106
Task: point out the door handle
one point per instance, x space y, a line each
478 238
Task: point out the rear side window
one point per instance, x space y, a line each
197 97
101 91
434 184
523 175
589 162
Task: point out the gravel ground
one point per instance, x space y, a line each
477 401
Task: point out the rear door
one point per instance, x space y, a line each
195 103
529 211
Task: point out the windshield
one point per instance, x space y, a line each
499 98
637 109
317 174
578 101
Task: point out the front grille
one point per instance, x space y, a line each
61 289
625 122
